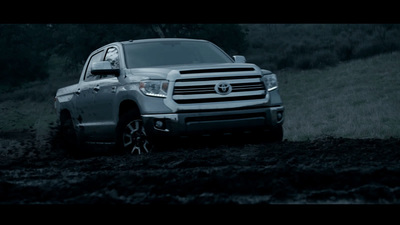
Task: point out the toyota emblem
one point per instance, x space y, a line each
223 88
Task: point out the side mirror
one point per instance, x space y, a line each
239 59
103 68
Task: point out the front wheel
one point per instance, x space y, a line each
274 135
131 135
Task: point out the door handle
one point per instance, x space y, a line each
78 91
113 89
97 88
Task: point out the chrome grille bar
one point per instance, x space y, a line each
203 88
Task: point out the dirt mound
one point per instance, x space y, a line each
204 171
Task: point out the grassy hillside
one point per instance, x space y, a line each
358 99
30 108
315 46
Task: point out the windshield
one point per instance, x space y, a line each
150 54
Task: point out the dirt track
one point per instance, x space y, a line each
203 171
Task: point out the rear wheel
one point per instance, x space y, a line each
131 135
69 138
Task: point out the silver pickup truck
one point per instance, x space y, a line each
135 93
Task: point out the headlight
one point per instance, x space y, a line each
155 88
270 80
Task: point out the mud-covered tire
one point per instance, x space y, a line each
130 134
69 138
276 134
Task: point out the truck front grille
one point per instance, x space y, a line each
210 89
203 89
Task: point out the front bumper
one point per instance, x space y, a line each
185 124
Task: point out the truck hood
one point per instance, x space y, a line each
174 71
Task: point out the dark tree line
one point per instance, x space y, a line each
22 58
26 48
308 46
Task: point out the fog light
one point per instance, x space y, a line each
159 124
279 116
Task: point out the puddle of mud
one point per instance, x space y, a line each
323 171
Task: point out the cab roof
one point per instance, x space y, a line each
160 40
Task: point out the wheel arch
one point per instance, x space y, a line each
64 115
126 106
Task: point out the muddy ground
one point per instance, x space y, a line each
202 171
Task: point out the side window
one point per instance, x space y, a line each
95 58
112 57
